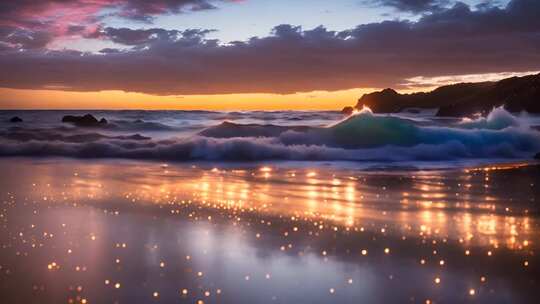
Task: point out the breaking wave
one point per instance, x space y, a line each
361 137
497 119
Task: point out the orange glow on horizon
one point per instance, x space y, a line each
56 99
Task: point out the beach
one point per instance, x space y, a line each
123 231
252 152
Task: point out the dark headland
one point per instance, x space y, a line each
462 99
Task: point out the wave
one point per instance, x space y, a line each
61 135
497 119
139 125
361 137
367 130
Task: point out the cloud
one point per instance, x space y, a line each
79 18
415 6
133 37
145 10
23 39
22 11
453 41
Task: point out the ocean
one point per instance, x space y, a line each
269 207
283 135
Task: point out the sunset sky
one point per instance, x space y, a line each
253 54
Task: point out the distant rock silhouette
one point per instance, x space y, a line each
347 111
87 120
537 156
462 99
15 119
385 101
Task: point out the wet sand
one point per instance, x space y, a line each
109 231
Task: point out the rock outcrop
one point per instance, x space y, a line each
347 111
463 99
15 119
87 120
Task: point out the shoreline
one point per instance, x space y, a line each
388 166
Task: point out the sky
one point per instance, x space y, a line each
253 54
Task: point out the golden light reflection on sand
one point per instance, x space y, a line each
121 231
427 204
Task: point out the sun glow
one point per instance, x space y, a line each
57 99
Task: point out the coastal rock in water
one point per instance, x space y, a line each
347 111
15 119
537 156
385 101
87 120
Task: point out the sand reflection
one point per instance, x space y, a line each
125 230
463 205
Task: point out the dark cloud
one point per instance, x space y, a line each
448 42
133 37
109 51
75 29
20 10
415 6
17 38
145 10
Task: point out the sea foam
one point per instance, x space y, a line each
361 137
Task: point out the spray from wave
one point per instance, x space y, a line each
363 136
